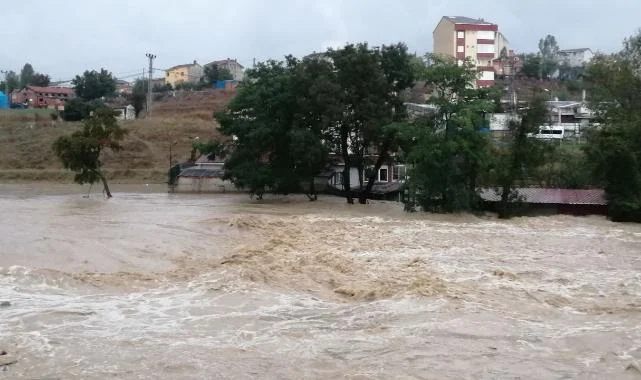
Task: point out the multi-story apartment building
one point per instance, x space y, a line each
236 69
475 39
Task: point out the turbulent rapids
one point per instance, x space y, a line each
153 285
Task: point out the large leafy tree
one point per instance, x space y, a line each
615 148
139 95
214 73
450 152
81 151
42 80
520 156
372 82
26 75
12 82
549 52
276 125
94 84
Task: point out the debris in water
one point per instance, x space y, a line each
5 304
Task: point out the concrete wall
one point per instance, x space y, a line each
445 39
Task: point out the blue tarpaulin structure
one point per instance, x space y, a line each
4 101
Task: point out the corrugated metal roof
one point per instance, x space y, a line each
200 172
552 196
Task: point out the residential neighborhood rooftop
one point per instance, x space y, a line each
467 20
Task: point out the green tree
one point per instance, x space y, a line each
521 155
94 85
614 150
12 82
275 137
26 75
138 95
81 151
214 73
531 67
450 152
41 80
549 52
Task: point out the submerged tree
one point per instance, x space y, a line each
451 151
614 149
522 154
80 152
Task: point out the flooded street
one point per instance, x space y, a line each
152 285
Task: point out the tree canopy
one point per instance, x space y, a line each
214 73
81 151
94 84
26 75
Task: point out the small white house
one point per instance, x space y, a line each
125 113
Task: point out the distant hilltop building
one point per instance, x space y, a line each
187 73
236 69
576 57
476 39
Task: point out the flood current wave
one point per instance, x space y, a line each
151 285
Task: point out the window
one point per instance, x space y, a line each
485 35
182 73
382 175
483 48
167 73
460 49
398 172
460 34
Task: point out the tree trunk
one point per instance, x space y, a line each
312 191
367 193
105 185
346 172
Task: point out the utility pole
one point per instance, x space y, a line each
149 89
6 91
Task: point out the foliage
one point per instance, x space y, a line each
450 152
26 75
12 82
77 109
138 95
531 65
615 149
94 85
549 51
275 143
515 160
80 152
214 73
41 80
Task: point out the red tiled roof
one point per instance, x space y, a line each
552 196
53 90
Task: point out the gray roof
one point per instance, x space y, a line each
552 196
570 51
199 172
467 20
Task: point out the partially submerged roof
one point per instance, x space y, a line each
552 196
203 172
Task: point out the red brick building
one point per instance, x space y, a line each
43 97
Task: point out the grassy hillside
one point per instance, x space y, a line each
26 154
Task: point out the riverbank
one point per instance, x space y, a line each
26 153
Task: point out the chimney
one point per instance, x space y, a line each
195 62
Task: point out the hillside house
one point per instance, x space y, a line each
576 57
43 97
187 73
236 69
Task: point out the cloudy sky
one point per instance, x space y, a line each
66 37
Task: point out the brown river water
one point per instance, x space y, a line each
150 285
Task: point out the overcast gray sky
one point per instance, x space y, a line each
66 37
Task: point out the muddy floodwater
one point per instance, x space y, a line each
150 285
